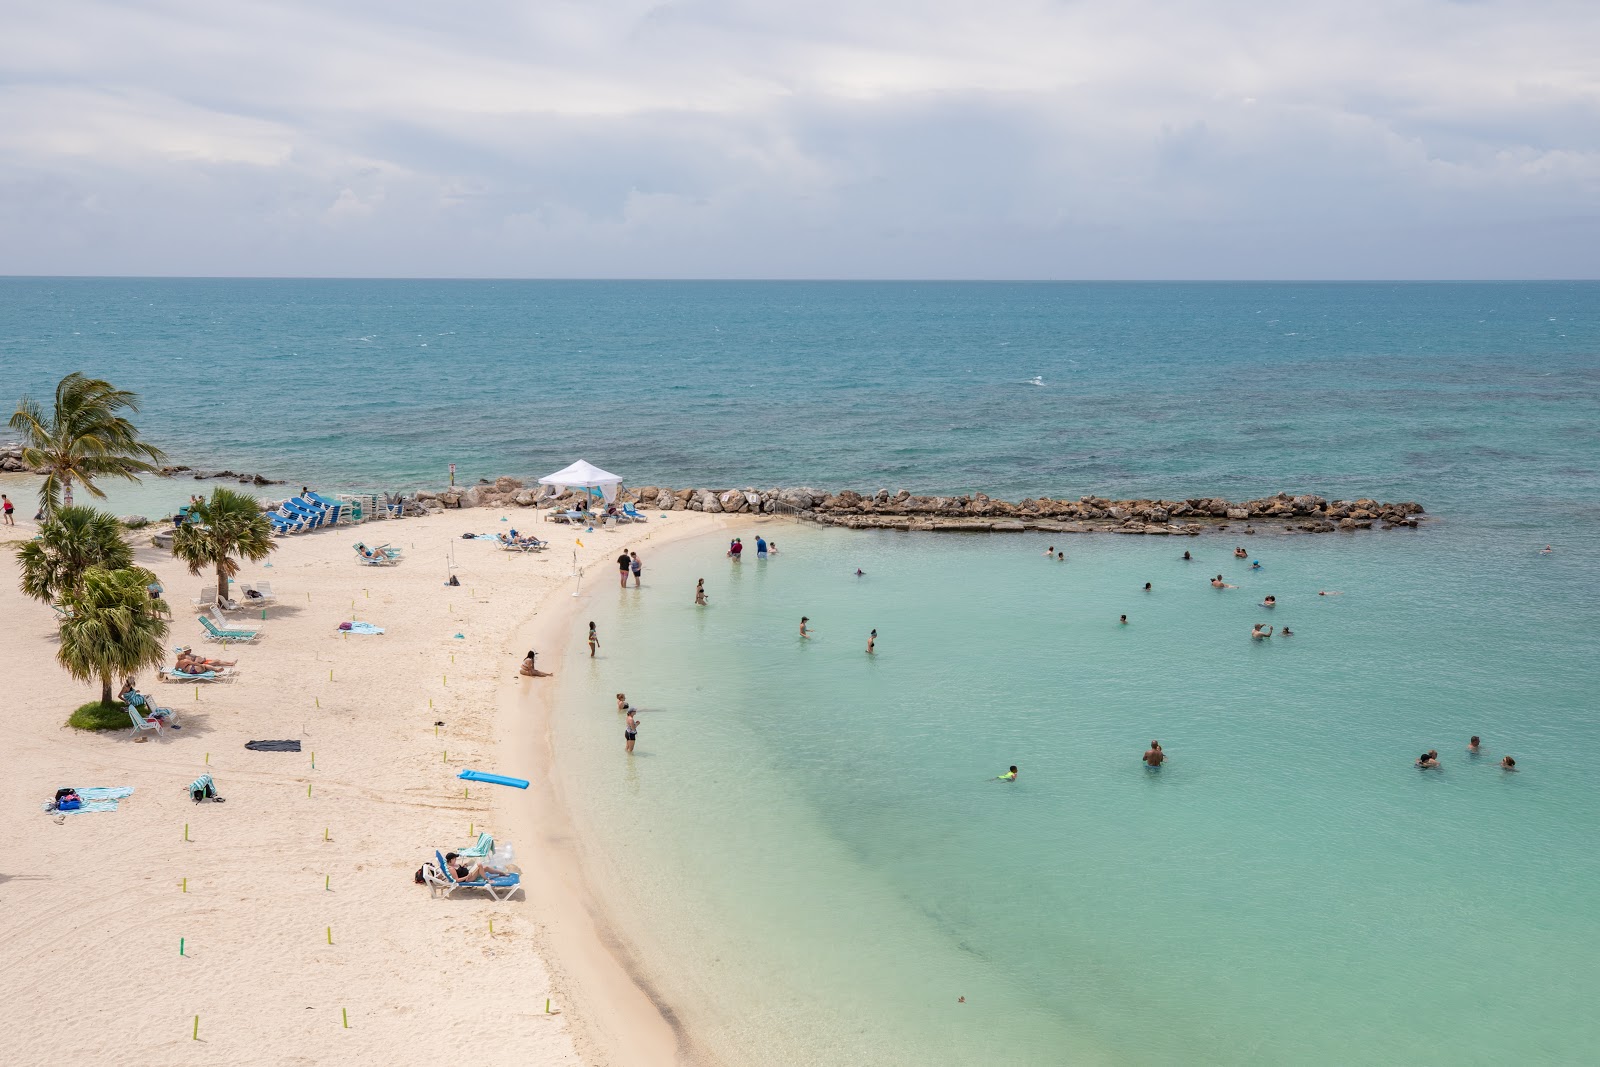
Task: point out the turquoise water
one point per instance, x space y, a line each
812 859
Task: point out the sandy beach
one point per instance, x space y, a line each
293 902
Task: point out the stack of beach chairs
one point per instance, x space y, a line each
305 513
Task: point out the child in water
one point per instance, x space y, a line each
1009 776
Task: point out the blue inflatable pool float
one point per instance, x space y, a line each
493 779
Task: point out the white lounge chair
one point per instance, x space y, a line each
141 724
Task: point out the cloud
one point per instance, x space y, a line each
942 138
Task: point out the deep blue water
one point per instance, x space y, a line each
1439 392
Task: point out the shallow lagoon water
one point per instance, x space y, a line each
812 859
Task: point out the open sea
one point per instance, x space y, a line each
809 857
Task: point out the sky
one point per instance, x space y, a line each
1136 139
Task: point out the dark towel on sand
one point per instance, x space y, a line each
273 746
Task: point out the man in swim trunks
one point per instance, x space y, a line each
1154 758
630 732
624 566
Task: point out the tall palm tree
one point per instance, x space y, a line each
83 438
70 542
220 533
112 628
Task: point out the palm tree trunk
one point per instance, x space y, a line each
222 584
66 483
105 690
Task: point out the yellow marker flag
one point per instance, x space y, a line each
580 544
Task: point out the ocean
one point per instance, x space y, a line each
808 856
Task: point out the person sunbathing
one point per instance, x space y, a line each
530 671
476 872
201 663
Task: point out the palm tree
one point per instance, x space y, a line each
112 627
70 542
222 531
82 439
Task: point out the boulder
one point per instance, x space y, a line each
752 500
525 497
732 501
504 484
1237 513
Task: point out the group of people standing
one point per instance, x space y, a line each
763 548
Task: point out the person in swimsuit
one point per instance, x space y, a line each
860 573
624 565
1061 557
1154 758
622 702
1049 551
1009 776
1218 583
761 547
1186 555
8 507
1270 602
1256 565
1327 592
772 548
1122 621
594 640
1240 553
1260 632
1147 587
700 592
1429 761
872 639
630 732
528 670
803 631
1285 632
1508 764
186 655
1545 551
638 567
1473 747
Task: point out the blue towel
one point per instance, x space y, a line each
363 628
99 798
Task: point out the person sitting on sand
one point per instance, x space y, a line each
1218 583
1009 776
1508 764
1154 758
1429 760
1270 602
1260 632
528 670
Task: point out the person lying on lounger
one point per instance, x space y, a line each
190 663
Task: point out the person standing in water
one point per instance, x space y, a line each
1049 551
1009 776
803 631
1473 747
1147 587
772 548
872 639
637 566
594 640
1186 556
624 565
700 592
1154 758
630 731
1123 621
761 547
1260 632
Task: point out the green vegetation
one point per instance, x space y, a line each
222 531
70 541
84 437
97 716
112 627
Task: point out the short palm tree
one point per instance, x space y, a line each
112 627
71 541
221 532
83 438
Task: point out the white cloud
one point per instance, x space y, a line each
1143 138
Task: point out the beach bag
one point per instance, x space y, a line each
69 803
67 792
345 626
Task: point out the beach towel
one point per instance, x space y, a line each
359 628
99 798
273 746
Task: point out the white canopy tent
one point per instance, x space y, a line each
584 475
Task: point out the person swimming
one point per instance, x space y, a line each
1122 620
860 573
1508 764
1285 632
1240 553
1473 746
1049 551
1218 583
622 702
1186 555
1147 587
1546 550
1328 592
1270 602
1009 776
1260 632
1061 557
1429 760
1154 757
1255 565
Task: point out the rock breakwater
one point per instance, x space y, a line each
1301 513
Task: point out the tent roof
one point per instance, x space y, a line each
581 473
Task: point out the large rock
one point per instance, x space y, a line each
1237 513
752 500
503 484
525 497
732 501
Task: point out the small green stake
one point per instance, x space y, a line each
308 789
346 1013
197 1027
326 888
330 935
547 1005
186 831
180 946
325 833
185 888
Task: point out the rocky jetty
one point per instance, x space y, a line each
11 459
204 475
1303 512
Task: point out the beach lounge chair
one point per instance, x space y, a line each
633 515
482 847
256 595
382 556
206 598
213 674
222 621
141 724
61 610
218 633
497 888
150 710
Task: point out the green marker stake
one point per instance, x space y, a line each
308 789
185 888
325 833
491 927
326 888
180 946
346 1013
546 1007
197 693
197 1026
186 831
330 935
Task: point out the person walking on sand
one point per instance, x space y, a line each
1154 758
872 639
9 507
630 731
638 568
594 640
700 592
803 631
624 565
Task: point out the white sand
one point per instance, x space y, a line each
94 907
